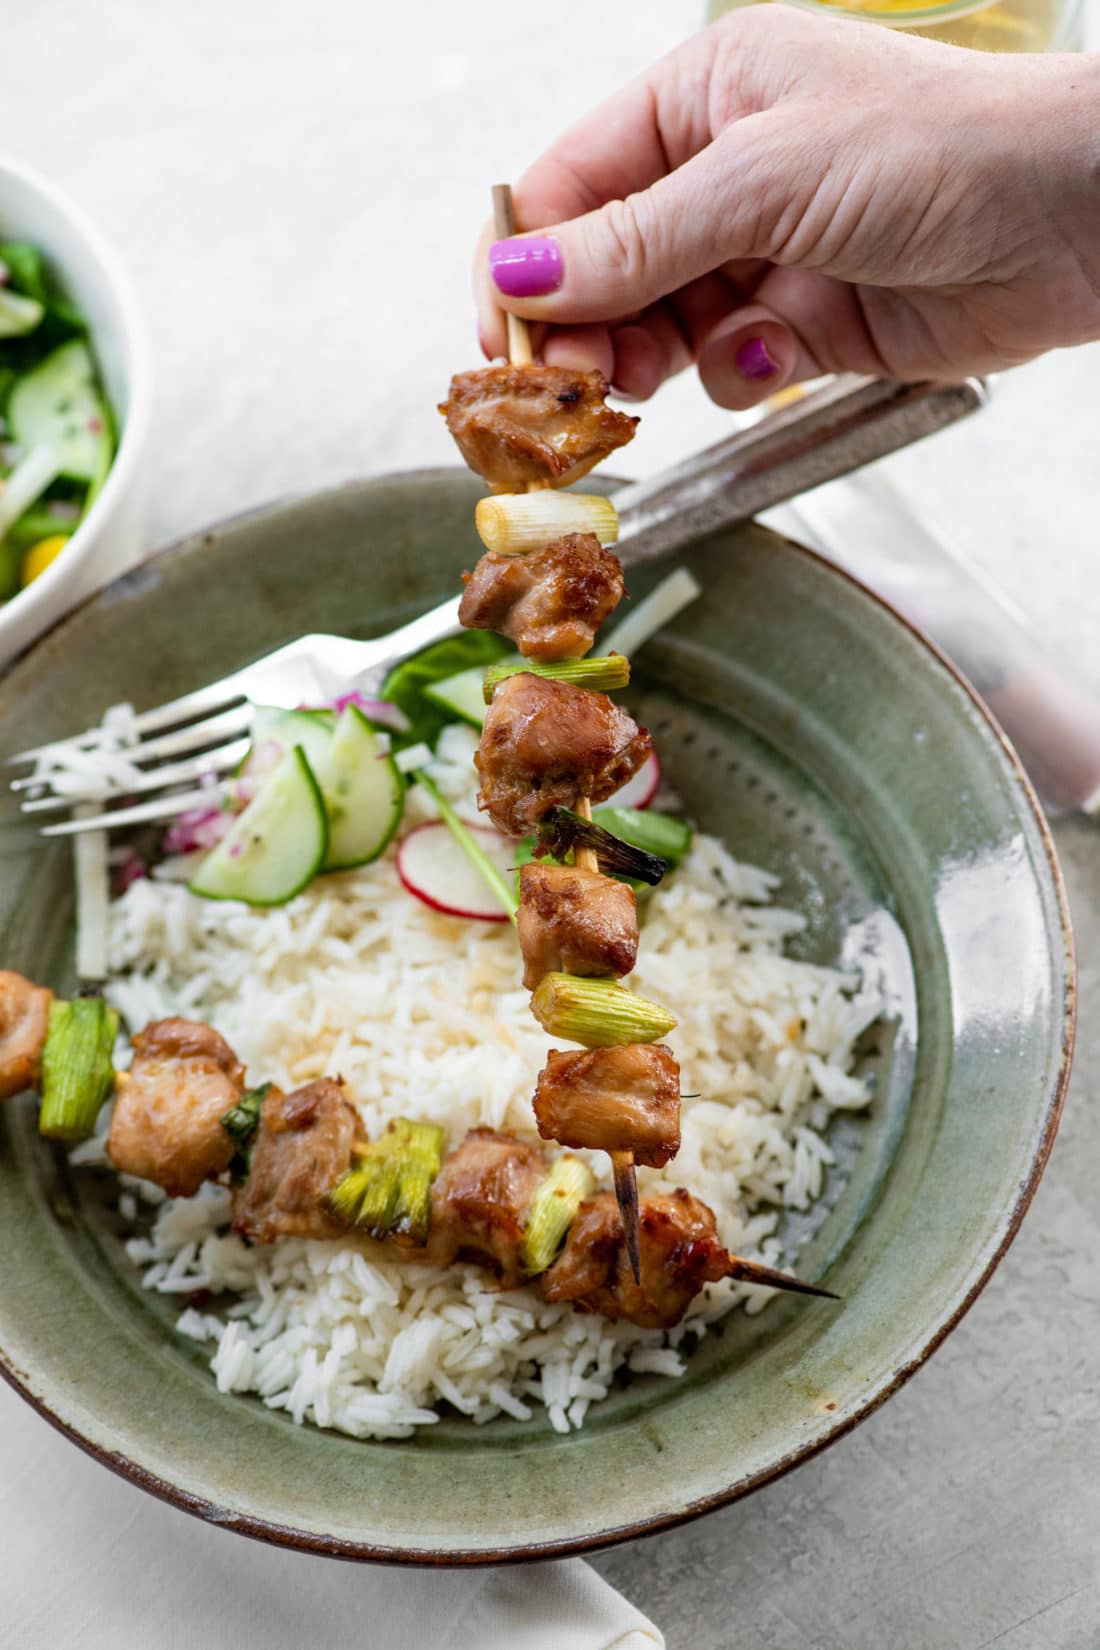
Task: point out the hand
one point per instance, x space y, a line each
785 196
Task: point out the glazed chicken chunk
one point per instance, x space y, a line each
550 602
167 1120
302 1149
680 1252
522 426
24 1021
575 922
545 744
623 1099
480 1200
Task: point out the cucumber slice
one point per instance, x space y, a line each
462 695
275 731
18 314
58 405
277 845
363 791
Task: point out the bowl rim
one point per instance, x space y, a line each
1009 1221
132 429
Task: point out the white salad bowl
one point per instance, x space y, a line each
111 537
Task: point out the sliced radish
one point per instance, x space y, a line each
432 866
639 791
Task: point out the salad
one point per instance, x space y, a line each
57 435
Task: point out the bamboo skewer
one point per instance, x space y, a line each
520 355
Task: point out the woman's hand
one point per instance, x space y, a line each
786 195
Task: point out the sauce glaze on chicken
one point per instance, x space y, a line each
625 1098
24 1018
301 1150
167 1123
546 744
550 602
534 425
575 921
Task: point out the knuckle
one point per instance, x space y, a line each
626 238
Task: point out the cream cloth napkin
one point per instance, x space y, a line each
88 1562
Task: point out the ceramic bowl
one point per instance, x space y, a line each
810 727
111 536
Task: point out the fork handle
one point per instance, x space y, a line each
847 423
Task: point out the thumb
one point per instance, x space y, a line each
630 253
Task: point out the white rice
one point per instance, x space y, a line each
425 1016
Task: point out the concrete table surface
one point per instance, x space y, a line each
296 191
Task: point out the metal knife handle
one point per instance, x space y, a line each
829 432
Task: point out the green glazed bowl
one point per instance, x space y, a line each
809 726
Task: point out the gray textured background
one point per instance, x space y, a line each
296 190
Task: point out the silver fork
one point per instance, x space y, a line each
204 734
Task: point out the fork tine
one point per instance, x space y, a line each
231 724
157 779
161 807
203 702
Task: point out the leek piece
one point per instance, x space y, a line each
602 675
511 524
77 1070
653 612
389 1194
597 1013
552 1212
240 1123
470 846
563 830
644 828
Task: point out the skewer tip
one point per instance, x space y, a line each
626 1190
748 1271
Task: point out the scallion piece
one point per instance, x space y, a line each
511 524
602 675
552 1212
563 830
644 828
389 1193
597 1013
469 845
240 1123
77 1070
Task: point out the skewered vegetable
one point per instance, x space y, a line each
563 832
602 674
597 1013
510 524
552 1212
389 1194
77 1070
240 1123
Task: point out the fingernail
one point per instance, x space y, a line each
526 267
754 360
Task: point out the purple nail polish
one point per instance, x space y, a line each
527 267
754 360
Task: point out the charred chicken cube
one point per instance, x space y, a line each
167 1121
550 602
534 425
546 744
302 1150
24 1020
480 1201
624 1099
575 922
680 1252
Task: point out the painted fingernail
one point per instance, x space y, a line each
754 360
527 267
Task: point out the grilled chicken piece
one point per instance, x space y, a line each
302 1149
550 602
575 922
533 425
680 1252
545 744
24 1021
624 1099
167 1119
480 1200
